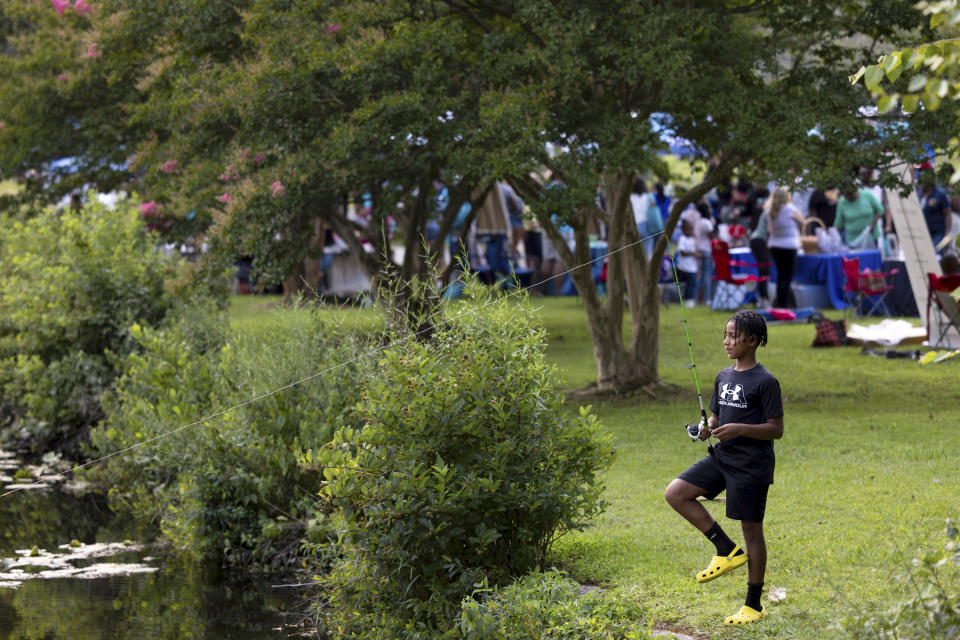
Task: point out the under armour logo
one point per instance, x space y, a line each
732 395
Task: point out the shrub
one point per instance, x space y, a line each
461 465
228 488
71 284
548 606
932 608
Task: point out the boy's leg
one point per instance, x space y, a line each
682 496
756 549
752 504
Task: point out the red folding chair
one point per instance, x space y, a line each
942 304
722 272
872 286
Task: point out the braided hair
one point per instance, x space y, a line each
747 323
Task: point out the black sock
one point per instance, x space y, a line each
720 540
754 591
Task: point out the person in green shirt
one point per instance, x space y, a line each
857 210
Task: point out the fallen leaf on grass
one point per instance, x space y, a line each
777 594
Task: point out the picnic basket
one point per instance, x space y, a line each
809 242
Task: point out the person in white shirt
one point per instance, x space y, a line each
687 262
703 235
783 229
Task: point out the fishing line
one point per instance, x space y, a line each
334 368
686 329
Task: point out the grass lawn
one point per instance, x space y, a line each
866 475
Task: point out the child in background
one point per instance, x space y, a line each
687 262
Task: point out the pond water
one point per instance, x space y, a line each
167 598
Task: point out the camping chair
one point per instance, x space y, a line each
872 286
945 308
730 290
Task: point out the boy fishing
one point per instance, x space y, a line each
747 416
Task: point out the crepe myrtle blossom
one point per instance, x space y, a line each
226 197
93 51
259 158
149 209
59 5
230 173
278 189
82 7
169 167
245 153
333 28
62 77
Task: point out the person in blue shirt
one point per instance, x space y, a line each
935 205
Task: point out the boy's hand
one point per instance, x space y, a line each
706 428
726 432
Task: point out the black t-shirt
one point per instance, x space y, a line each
749 397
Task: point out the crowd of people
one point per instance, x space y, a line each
772 221
502 238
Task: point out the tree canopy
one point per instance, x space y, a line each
252 119
913 82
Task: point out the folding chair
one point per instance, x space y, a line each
730 296
941 303
871 286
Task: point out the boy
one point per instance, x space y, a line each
747 418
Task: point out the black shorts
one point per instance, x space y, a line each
745 500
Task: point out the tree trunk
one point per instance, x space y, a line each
631 276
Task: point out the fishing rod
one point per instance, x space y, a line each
693 430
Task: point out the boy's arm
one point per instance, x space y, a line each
772 429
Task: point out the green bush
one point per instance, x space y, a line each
548 606
462 465
71 284
228 488
932 606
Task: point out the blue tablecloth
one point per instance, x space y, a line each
818 268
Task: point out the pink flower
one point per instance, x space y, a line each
3 125
82 7
278 189
148 209
62 77
259 158
245 153
93 51
225 198
333 28
168 167
59 5
230 173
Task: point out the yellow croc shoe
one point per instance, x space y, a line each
746 615
721 565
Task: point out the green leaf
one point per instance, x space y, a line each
937 19
909 102
917 82
887 102
873 76
859 74
931 101
891 61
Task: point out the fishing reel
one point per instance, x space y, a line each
693 430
